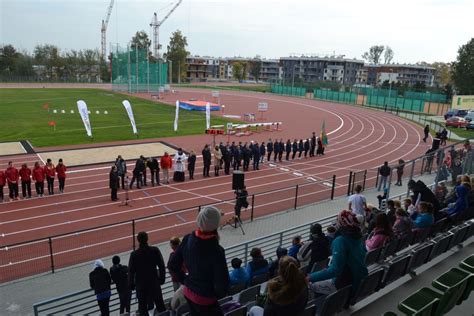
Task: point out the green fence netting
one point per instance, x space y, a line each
404 104
427 96
133 71
345 97
295 91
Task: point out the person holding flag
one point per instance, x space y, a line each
322 140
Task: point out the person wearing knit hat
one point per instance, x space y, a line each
208 219
208 277
347 266
99 280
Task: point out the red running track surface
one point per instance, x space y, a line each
359 139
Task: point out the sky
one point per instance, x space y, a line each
416 30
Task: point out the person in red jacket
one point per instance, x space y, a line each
3 181
166 163
50 172
38 176
61 171
25 175
12 178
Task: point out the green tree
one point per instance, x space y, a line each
443 73
140 40
255 68
463 69
177 53
385 84
374 54
388 55
239 69
48 56
448 91
8 59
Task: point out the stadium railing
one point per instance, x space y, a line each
58 251
84 301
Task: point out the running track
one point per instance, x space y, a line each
359 139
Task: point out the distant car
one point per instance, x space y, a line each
456 121
470 125
455 112
470 116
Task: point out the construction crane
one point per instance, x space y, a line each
103 31
156 26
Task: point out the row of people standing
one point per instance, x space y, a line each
13 177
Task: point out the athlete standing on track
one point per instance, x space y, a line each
288 149
50 172
276 148
38 176
25 175
281 147
313 145
269 149
61 171
294 148
12 178
3 180
206 157
262 152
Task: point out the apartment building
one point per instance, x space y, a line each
410 74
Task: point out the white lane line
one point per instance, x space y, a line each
298 174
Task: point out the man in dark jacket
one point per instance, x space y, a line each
154 167
420 189
320 248
206 157
138 173
288 149
256 156
121 169
276 149
143 166
119 275
306 148
281 148
262 152
313 145
208 277
223 149
113 183
300 148
269 149
237 158
232 150
246 157
294 148
144 276
384 173
99 281
226 156
426 131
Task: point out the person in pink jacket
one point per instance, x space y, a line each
381 234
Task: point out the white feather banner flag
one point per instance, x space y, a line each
128 108
82 108
208 115
176 116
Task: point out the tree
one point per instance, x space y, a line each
463 69
385 84
255 68
419 86
239 69
48 56
448 91
141 41
388 55
374 54
177 53
8 59
443 73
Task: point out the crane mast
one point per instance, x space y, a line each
156 26
103 31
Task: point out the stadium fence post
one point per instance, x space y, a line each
365 178
253 203
246 251
199 209
349 184
333 186
50 242
377 178
133 233
296 196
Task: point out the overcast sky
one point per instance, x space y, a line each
417 30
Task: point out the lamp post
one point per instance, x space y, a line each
293 77
390 84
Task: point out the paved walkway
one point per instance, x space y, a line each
41 287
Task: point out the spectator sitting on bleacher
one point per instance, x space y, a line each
119 275
295 247
174 244
424 217
99 280
408 206
258 265
287 293
391 208
320 247
441 192
273 269
382 233
348 258
239 275
403 224
460 205
331 234
208 277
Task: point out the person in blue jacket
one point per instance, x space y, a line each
461 204
425 218
347 266
258 265
239 275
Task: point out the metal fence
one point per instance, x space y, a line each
84 301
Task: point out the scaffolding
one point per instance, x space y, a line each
134 70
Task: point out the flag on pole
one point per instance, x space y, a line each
323 135
128 108
82 108
208 115
176 117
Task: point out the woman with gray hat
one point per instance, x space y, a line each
208 277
